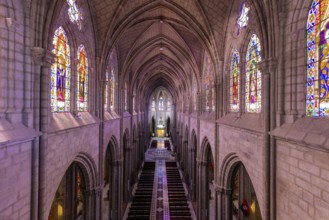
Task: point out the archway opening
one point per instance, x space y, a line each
70 197
210 192
244 203
160 110
109 196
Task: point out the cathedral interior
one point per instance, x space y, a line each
164 109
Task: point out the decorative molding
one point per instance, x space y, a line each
37 55
202 163
49 58
268 66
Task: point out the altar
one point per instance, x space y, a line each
160 129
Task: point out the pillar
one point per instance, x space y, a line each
203 194
47 61
223 203
268 68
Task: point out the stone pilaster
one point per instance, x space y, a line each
202 194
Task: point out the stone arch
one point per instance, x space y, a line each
232 167
112 147
88 168
205 147
226 170
205 181
110 195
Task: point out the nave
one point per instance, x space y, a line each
239 88
160 193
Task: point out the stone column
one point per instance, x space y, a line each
268 68
37 57
223 203
96 198
219 91
127 161
117 190
47 61
185 157
203 195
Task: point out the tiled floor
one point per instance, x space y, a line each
160 201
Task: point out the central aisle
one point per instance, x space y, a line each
164 198
160 201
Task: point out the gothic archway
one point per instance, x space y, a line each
110 197
75 195
238 196
206 197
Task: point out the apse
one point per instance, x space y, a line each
160 112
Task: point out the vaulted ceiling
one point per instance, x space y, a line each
160 42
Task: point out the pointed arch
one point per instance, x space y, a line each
235 180
317 98
235 82
81 173
253 84
60 93
82 79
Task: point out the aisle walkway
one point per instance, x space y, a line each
167 202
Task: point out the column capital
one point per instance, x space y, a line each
117 163
48 59
202 163
37 55
268 66
222 190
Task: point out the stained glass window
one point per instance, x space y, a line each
235 82
253 76
82 79
112 86
243 18
106 90
60 73
74 13
317 97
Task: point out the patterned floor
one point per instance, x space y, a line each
160 201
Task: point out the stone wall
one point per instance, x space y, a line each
248 146
15 181
62 149
302 182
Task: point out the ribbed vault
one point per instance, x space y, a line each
161 42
